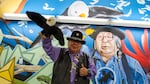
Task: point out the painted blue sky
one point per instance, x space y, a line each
132 9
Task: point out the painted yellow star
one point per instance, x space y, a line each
7 72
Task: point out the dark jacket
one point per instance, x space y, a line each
62 67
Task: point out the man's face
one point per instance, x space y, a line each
74 46
105 43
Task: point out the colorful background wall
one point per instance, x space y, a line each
23 61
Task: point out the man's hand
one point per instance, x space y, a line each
83 71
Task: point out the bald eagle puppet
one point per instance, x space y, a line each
48 26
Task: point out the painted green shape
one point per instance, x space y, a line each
56 43
16 81
46 70
17 52
43 78
1 37
37 52
7 51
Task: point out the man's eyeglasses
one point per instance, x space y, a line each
107 36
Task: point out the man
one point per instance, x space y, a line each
71 66
109 57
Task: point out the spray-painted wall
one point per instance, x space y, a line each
32 65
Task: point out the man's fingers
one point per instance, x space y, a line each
43 36
83 70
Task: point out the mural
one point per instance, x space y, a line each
20 41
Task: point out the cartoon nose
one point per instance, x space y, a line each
82 15
104 39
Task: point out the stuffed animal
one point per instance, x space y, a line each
48 26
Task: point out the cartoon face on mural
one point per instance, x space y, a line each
108 53
105 43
